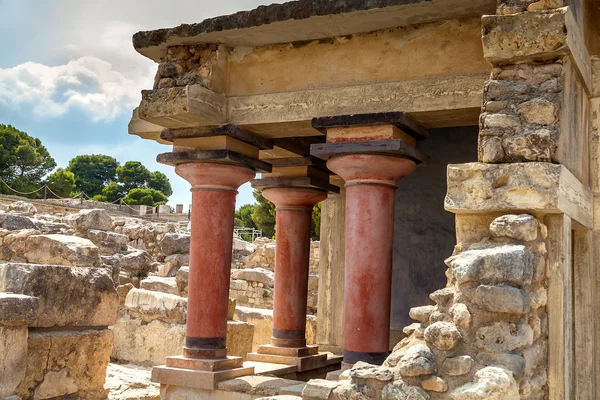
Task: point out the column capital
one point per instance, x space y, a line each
373 169
294 197
215 176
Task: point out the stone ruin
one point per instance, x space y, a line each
340 103
84 286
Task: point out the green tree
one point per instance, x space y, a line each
24 161
62 182
93 172
132 175
316 219
113 191
160 182
263 214
145 196
243 219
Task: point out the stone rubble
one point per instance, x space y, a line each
481 338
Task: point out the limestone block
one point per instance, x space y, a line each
173 263
318 389
22 207
14 222
417 360
503 264
136 262
146 344
504 336
108 242
502 299
67 296
520 227
17 309
512 362
86 220
543 187
180 107
57 250
401 390
263 256
13 347
61 363
239 338
150 306
242 247
160 284
422 313
435 384
182 278
175 243
261 275
443 335
460 315
525 37
253 385
456 366
491 383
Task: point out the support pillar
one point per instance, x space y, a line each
370 189
294 207
205 361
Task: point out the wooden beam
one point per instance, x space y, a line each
225 156
229 130
398 119
560 307
395 147
309 181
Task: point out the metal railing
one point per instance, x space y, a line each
248 234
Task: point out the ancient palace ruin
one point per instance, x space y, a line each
455 148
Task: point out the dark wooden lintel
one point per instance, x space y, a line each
211 131
395 147
296 162
218 156
298 145
398 119
282 182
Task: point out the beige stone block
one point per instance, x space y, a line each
65 363
57 250
68 296
161 284
183 107
196 379
256 385
532 187
13 347
149 306
17 309
239 338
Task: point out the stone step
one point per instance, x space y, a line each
265 368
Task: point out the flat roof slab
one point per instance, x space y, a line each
306 20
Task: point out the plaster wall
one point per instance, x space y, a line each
424 233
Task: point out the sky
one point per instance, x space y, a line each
69 74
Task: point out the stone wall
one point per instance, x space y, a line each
484 336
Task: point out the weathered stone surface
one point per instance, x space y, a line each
160 284
17 309
57 250
66 363
319 389
401 390
504 336
68 296
150 306
363 370
456 366
263 257
491 383
130 382
260 275
255 385
443 335
175 243
136 262
14 222
520 227
108 242
13 347
417 360
502 298
500 264
524 37
422 313
435 384
442 296
182 278
22 207
86 220
460 315
512 362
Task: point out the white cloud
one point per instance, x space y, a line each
90 82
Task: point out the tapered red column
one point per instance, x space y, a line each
370 190
214 189
293 223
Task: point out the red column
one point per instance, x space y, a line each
370 189
293 225
214 189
